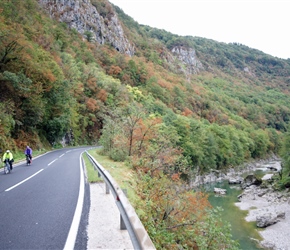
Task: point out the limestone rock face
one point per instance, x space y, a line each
105 28
84 17
188 57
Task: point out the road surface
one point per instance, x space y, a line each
45 205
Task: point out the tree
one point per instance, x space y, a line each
7 124
132 115
89 36
262 142
161 152
213 233
59 111
179 219
284 182
147 131
210 148
9 49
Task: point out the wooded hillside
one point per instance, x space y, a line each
55 84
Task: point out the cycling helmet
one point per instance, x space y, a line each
7 151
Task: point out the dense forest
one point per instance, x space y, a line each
59 86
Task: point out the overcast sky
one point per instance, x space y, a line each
259 24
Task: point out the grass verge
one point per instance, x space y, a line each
121 173
92 174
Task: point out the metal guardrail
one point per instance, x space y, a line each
139 236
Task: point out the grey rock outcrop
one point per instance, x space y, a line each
220 190
237 180
250 180
269 219
188 58
84 17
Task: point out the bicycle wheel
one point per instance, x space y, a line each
6 168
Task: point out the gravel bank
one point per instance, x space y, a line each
277 236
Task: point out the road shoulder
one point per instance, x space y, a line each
104 221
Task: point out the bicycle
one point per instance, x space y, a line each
28 161
6 167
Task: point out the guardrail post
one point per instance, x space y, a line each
107 189
122 223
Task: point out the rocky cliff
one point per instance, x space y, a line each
187 56
83 16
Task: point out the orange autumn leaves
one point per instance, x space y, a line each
172 211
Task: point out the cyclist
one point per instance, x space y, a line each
8 156
28 152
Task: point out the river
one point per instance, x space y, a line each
246 233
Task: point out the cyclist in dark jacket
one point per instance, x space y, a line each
28 152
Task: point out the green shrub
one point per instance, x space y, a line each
118 154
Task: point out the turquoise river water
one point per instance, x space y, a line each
244 232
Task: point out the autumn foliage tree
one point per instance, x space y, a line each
175 218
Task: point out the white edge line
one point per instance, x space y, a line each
71 238
8 189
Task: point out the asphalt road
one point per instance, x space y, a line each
45 205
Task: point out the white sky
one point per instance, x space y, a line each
258 24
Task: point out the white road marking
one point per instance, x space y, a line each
8 189
72 235
61 155
51 162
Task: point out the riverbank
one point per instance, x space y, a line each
258 203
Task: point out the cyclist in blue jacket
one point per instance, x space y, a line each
28 152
